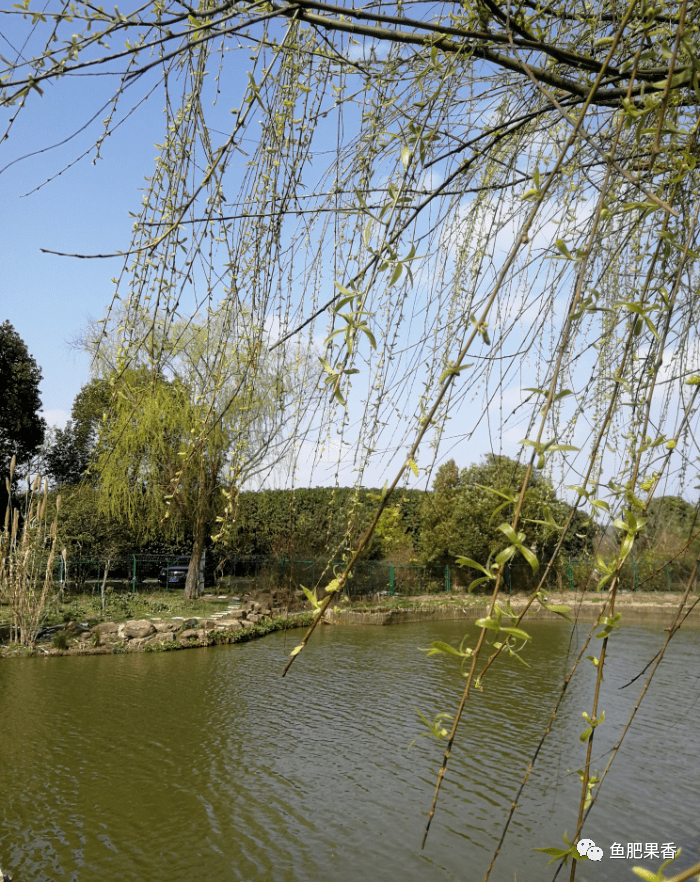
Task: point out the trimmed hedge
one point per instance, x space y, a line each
312 522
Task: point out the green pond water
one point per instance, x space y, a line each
206 765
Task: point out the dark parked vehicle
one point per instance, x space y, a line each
174 575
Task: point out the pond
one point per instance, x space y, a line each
207 765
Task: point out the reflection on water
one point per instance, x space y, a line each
207 765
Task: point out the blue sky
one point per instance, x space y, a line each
85 209
48 299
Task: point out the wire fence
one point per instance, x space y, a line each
636 575
143 573
134 572
241 574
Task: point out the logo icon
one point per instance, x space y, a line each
590 849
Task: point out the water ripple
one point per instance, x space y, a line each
208 764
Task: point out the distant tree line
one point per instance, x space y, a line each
459 517
132 433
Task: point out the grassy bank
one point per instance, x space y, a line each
122 606
90 642
648 607
204 621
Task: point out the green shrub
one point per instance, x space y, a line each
60 640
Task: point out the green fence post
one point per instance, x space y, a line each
634 564
133 580
447 579
668 578
570 570
391 579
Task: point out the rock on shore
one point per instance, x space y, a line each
141 633
155 634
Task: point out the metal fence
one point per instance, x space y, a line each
240 573
636 575
244 573
134 572
365 578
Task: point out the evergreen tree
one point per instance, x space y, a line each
70 452
463 514
22 429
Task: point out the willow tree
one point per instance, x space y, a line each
170 445
491 206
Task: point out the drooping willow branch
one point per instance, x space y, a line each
487 204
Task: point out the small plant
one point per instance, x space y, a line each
60 640
121 605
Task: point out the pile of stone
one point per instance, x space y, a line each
136 633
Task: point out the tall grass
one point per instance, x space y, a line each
27 554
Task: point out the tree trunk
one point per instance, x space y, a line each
192 589
104 585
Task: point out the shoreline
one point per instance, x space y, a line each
161 635
112 638
653 608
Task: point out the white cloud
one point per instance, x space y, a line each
56 418
367 50
676 365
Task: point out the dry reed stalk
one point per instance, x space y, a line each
26 560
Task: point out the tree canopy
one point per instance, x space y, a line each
21 426
170 444
461 517
70 451
673 526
